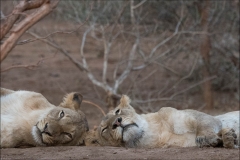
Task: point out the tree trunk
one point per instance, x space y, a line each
204 7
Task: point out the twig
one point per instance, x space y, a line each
182 91
85 65
107 46
63 32
82 66
185 77
146 77
197 32
128 69
139 4
168 68
78 64
96 91
190 73
61 88
192 86
89 102
30 67
133 82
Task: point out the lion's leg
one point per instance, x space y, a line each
208 140
5 91
229 138
207 134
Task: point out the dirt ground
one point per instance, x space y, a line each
118 153
58 76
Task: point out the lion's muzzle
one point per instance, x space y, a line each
117 122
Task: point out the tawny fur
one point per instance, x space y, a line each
166 128
25 116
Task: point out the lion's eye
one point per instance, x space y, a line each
61 114
68 134
117 112
104 129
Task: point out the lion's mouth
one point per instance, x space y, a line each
126 127
131 135
38 136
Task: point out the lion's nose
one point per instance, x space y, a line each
45 130
119 119
117 123
45 127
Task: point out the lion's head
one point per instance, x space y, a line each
120 127
62 125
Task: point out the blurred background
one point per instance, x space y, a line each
181 54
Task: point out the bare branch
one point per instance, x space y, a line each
192 86
151 60
62 32
85 65
128 69
132 11
190 73
24 25
174 95
107 46
31 66
168 68
185 77
77 64
149 75
139 4
13 17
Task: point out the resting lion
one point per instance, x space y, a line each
28 119
166 128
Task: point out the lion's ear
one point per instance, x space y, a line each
72 101
77 98
125 101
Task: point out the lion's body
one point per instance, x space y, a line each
23 113
166 128
170 127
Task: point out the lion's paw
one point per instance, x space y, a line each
229 138
207 141
201 141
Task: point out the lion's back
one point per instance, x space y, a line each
22 101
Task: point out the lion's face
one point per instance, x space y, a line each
63 125
121 127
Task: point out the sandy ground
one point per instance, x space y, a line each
118 153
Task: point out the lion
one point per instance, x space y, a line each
28 119
168 127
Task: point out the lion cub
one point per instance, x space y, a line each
28 119
165 128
